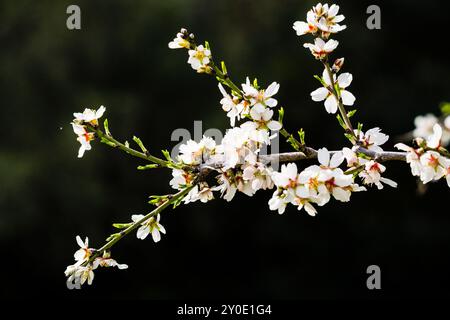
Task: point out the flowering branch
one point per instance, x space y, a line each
237 163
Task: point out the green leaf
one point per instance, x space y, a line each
122 225
320 80
349 136
166 155
293 143
140 144
224 68
207 45
255 83
112 237
351 113
148 166
106 126
280 115
341 122
301 135
360 126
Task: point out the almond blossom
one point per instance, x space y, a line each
372 139
150 226
321 17
372 175
84 137
321 49
106 261
426 162
194 153
261 98
425 127
84 252
83 269
199 58
231 105
264 119
180 41
331 103
89 116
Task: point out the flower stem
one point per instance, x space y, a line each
118 236
341 107
109 140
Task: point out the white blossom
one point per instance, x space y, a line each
310 26
82 254
83 137
425 127
372 139
320 49
150 226
372 175
194 153
226 186
321 17
264 119
412 157
331 103
199 58
180 41
261 98
106 261
434 166
78 274
231 105
434 140
201 192
89 116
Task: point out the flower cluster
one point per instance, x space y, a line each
208 167
321 20
315 184
256 104
426 161
199 56
85 137
83 269
237 157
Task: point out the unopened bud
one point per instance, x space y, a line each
337 65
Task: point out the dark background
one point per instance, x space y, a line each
217 250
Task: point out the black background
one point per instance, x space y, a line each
216 250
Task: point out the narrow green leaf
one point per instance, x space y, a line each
281 115
140 144
224 67
166 155
351 113
301 135
106 126
121 225
148 166
341 122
